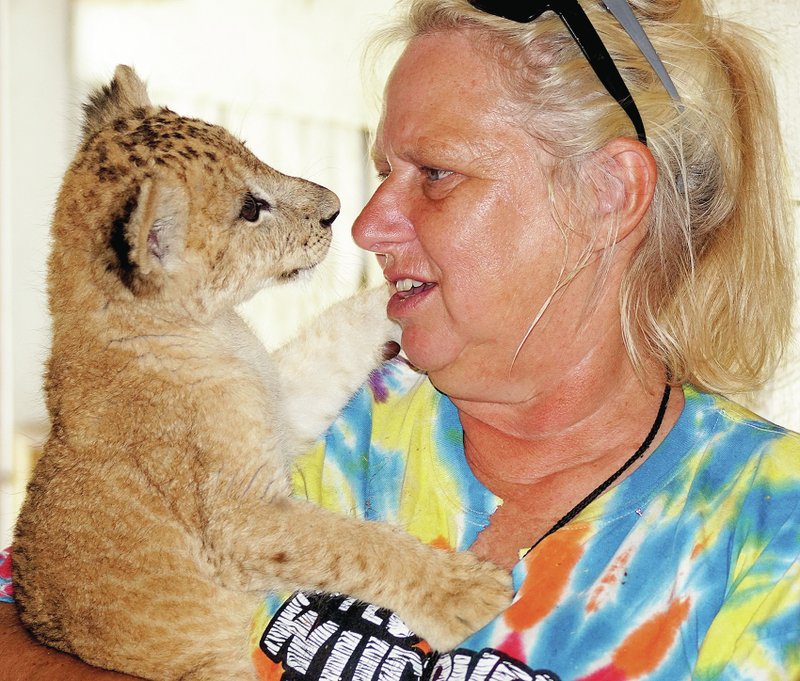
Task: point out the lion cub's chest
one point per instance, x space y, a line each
234 333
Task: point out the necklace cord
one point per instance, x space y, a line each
603 486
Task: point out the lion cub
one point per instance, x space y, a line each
159 514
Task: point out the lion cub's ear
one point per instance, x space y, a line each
125 93
155 233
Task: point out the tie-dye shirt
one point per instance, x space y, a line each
688 569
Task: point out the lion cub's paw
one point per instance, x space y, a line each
374 308
473 594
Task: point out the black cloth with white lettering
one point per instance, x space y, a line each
329 637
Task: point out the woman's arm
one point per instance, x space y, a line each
23 659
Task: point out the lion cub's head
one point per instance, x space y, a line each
175 213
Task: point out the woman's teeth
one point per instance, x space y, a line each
405 285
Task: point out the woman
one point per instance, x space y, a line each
578 269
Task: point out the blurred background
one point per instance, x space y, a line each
285 76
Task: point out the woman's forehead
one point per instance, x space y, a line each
442 94
445 61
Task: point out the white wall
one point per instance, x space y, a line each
778 23
298 56
34 150
6 357
37 106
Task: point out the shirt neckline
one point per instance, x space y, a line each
660 466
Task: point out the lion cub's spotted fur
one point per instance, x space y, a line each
160 513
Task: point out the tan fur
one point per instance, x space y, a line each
160 513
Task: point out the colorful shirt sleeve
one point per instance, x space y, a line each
6 587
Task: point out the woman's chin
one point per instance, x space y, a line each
447 371
425 352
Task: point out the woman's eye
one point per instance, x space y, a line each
252 207
436 174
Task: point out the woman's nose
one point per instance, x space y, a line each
383 222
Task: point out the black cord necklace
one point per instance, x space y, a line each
603 486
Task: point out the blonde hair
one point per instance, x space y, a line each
709 293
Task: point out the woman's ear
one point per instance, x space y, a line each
625 181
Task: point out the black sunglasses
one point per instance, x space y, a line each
585 35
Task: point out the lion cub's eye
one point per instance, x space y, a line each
252 207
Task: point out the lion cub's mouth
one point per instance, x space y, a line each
288 276
295 274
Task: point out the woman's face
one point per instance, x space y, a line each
462 226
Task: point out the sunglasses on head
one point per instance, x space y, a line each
585 35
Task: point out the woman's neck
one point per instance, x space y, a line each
542 457
580 424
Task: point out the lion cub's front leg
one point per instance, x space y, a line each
443 596
322 367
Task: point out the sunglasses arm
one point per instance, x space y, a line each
585 35
624 15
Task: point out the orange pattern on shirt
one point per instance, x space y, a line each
549 568
644 649
266 669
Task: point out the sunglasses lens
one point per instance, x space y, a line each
508 9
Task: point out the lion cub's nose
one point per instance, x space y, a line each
328 221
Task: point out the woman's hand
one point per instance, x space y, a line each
23 659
